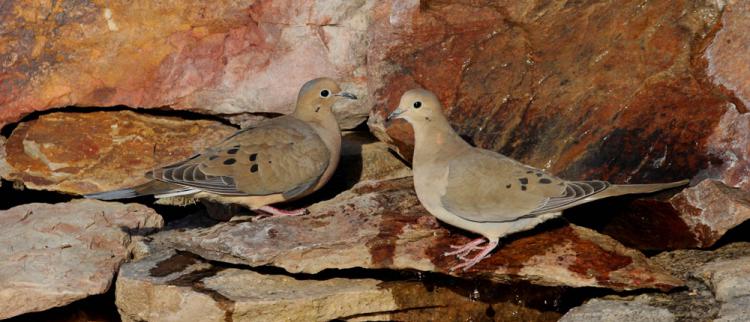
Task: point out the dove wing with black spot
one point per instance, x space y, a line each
284 155
475 191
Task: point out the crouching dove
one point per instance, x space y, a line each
483 191
279 160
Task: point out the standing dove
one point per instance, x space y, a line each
486 192
279 160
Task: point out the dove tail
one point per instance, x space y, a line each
113 195
624 189
148 188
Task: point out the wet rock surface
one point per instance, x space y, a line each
172 285
105 151
382 225
54 254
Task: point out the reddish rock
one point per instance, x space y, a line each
90 152
53 255
730 145
222 57
382 225
588 89
727 54
169 286
696 217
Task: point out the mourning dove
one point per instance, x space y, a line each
281 159
483 191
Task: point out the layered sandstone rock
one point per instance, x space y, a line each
53 255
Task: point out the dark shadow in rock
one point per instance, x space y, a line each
100 308
740 233
11 197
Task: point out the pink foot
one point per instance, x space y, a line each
466 248
469 262
276 212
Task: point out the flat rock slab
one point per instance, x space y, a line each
107 150
598 310
170 286
53 255
380 224
696 217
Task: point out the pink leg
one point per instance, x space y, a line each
275 212
466 248
468 263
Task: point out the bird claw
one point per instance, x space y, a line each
465 249
469 262
276 213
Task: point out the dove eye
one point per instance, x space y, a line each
417 104
324 93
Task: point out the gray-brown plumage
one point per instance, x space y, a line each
281 159
483 191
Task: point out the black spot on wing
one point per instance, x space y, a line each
523 180
229 161
253 156
545 181
232 151
254 168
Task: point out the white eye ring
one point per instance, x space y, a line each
325 93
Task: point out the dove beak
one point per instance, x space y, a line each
394 115
347 95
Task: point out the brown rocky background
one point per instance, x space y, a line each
94 93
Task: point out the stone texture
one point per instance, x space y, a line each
382 225
615 311
699 302
729 278
222 57
727 52
736 310
107 150
53 255
730 145
588 89
696 217
169 286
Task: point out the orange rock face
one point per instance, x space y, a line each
223 57
90 152
609 89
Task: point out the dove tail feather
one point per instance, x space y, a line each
113 195
148 188
624 189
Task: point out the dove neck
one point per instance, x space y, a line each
319 115
436 135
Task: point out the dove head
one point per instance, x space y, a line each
421 108
316 98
